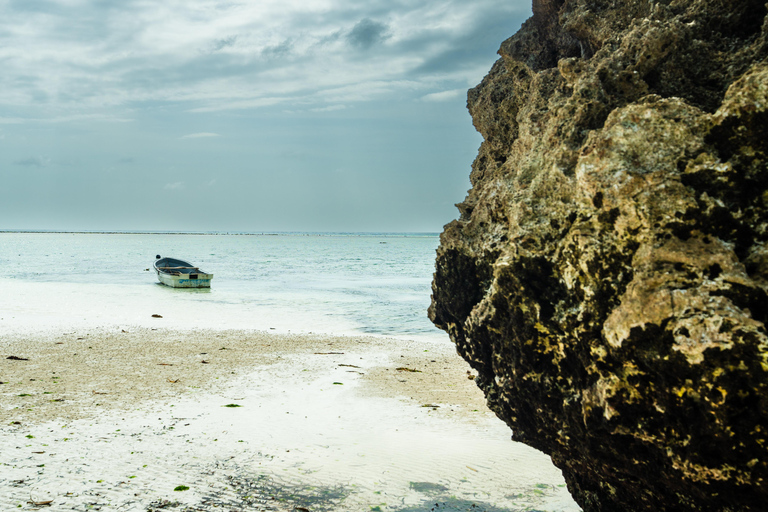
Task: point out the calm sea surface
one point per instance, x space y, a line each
335 284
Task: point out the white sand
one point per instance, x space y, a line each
100 420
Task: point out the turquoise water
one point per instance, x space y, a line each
376 284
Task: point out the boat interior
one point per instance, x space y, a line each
175 267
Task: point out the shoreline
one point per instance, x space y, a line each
244 415
63 374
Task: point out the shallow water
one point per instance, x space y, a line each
333 284
303 434
298 440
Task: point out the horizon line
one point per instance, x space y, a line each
246 233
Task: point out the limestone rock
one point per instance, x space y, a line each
608 276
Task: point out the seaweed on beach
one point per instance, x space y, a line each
438 499
428 487
453 504
158 505
263 493
275 495
267 493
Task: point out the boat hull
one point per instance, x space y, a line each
185 281
180 274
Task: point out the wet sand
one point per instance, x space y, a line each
161 419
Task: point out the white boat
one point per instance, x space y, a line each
180 274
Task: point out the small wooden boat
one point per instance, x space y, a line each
180 274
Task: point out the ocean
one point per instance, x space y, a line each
324 423
342 284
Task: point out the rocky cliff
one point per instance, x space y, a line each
608 276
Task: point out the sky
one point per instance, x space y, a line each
234 115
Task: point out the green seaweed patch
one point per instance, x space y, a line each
427 487
155 506
181 488
253 491
232 405
455 504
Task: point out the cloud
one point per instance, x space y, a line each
367 33
444 95
200 135
278 50
217 104
226 42
299 88
330 108
34 161
366 91
115 60
65 119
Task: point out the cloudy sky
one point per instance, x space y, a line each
241 115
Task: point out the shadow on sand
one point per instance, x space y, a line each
264 493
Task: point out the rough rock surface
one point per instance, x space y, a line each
608 276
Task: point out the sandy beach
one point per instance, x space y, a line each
161 419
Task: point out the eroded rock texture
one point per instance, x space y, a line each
608 277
